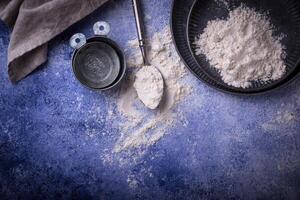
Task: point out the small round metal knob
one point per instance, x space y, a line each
77 40
101 28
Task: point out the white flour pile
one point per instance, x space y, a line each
149 85
142 127
243 48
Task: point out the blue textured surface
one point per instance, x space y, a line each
233 148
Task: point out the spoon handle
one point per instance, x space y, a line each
140 29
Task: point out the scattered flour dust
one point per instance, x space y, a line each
222 3
283 118
242 48
141 127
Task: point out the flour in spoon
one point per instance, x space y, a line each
243 48
149 86
141 127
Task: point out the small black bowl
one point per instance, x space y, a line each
99 64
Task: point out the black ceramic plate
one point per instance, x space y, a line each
284 15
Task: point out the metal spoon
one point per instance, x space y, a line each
140 29
142 42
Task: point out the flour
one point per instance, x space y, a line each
222 3
283 118
142 127
242 48
149 85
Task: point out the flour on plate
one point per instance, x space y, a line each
243 48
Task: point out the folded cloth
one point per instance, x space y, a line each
34 23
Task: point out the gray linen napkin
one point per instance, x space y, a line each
34 23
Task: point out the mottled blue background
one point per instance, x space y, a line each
232 148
